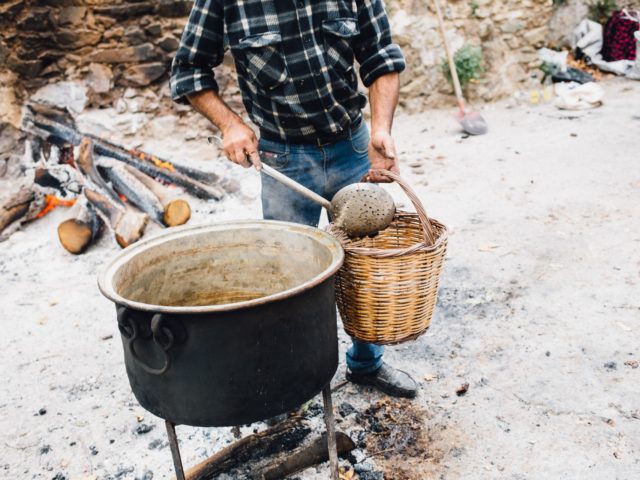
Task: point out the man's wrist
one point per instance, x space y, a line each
233 120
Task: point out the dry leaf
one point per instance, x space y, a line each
487 247
429 377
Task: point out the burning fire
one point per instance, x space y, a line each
51 202
155 160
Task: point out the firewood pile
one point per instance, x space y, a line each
106 184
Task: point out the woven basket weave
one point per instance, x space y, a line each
386 290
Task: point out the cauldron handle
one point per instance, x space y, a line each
162 336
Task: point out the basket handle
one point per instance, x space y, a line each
429 234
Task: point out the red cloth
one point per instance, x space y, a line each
618 42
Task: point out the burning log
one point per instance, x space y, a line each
127 224
60 130
78 232
133 189
15 207
176 211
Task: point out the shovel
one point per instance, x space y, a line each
471 122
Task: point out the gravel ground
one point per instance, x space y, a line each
538 312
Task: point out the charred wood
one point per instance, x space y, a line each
77 233
176 211
282 437
127 224
305 457
15 207
45 124
133 189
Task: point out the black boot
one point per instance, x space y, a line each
387 379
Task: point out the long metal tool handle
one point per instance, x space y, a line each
331 432
292 184
282 178
452 63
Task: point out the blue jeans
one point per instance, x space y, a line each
325 170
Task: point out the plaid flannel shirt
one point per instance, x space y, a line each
294 59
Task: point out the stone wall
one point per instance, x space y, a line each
118 44
508 31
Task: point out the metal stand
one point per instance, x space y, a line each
331 439
175 450
329 420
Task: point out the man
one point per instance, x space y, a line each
295 65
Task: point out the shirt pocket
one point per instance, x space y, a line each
262 59
338 34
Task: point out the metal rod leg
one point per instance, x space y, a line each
175 450
331 432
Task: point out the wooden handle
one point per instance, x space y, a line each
280 177
452 63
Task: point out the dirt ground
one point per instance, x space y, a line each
538 312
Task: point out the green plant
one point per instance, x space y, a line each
600 10
473 5
469 64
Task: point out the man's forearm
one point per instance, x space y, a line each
209 104
383 95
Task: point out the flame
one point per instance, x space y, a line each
153 159
123 198
51 202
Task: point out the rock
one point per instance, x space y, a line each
59 476
367 465
174 8
485 29
141 53
35 19
345 409
113 33
71 95
512 26
76 38
71 15
44 449
42 411
157 444
153 29
126 11
372 476
93 449
536 37
134 35
100 78
144 428
356 456
143 74
169 43
611 366
147 475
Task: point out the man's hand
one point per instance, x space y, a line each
382 155
240 145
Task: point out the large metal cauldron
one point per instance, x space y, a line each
227 324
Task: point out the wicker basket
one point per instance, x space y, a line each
386 290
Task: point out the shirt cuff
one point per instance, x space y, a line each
186 79
386 60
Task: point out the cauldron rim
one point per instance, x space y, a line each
105 278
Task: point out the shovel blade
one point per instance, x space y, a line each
472 123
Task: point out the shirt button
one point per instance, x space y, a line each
306 38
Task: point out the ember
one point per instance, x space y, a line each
51 202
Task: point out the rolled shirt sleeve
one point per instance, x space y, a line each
201 49
374 49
